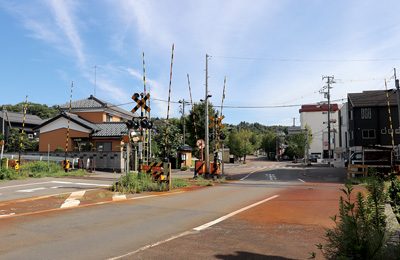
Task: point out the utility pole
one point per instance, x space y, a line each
94 87
329 81
398 94
2 146
207 152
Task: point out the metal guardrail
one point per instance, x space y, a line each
57 159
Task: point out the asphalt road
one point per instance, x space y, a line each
144 227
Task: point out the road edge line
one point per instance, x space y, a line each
209 224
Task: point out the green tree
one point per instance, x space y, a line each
42 111
14 141
269 143
174 141
199 114
240 143
256 141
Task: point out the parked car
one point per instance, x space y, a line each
314 157
376 157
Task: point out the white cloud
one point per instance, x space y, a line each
63 15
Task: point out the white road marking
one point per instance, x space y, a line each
209 224
301 180
271 176
21 185
81 183
73 199
31 190
118 196
7 215
252 173
195 229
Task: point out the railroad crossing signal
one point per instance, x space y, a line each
217 121
140 102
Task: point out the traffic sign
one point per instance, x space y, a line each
200 143
141 102
217 121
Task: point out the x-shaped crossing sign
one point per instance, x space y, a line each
140 102
217 121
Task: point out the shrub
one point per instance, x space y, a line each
136 183
393 190
10 174
360 231
184 168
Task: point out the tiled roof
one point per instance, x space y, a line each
375 98
111 129
74 118
93 102
19 117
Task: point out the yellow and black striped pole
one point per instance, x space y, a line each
169 101
146 142
390 115
69 119
22 132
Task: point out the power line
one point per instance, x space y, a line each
304 60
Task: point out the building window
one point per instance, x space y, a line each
109 118
351 114
383 131
103 146
365 113
351 135
390 131
397 131
368 134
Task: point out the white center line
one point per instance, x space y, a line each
301 180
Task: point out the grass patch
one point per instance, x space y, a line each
200 181
105 194
179 183
62 196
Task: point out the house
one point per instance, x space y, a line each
96 129
315 116
14 120
94 124
370 123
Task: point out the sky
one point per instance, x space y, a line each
273 53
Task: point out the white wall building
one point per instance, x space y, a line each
316 117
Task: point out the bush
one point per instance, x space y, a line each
41 168
360 231
184 168
9 174
136 183
394 194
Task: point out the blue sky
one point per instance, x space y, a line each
272 52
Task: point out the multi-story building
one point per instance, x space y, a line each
316 118
373 119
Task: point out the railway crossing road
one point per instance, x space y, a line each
188 218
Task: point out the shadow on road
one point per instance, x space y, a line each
247 255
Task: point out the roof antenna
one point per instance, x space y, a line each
95 68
